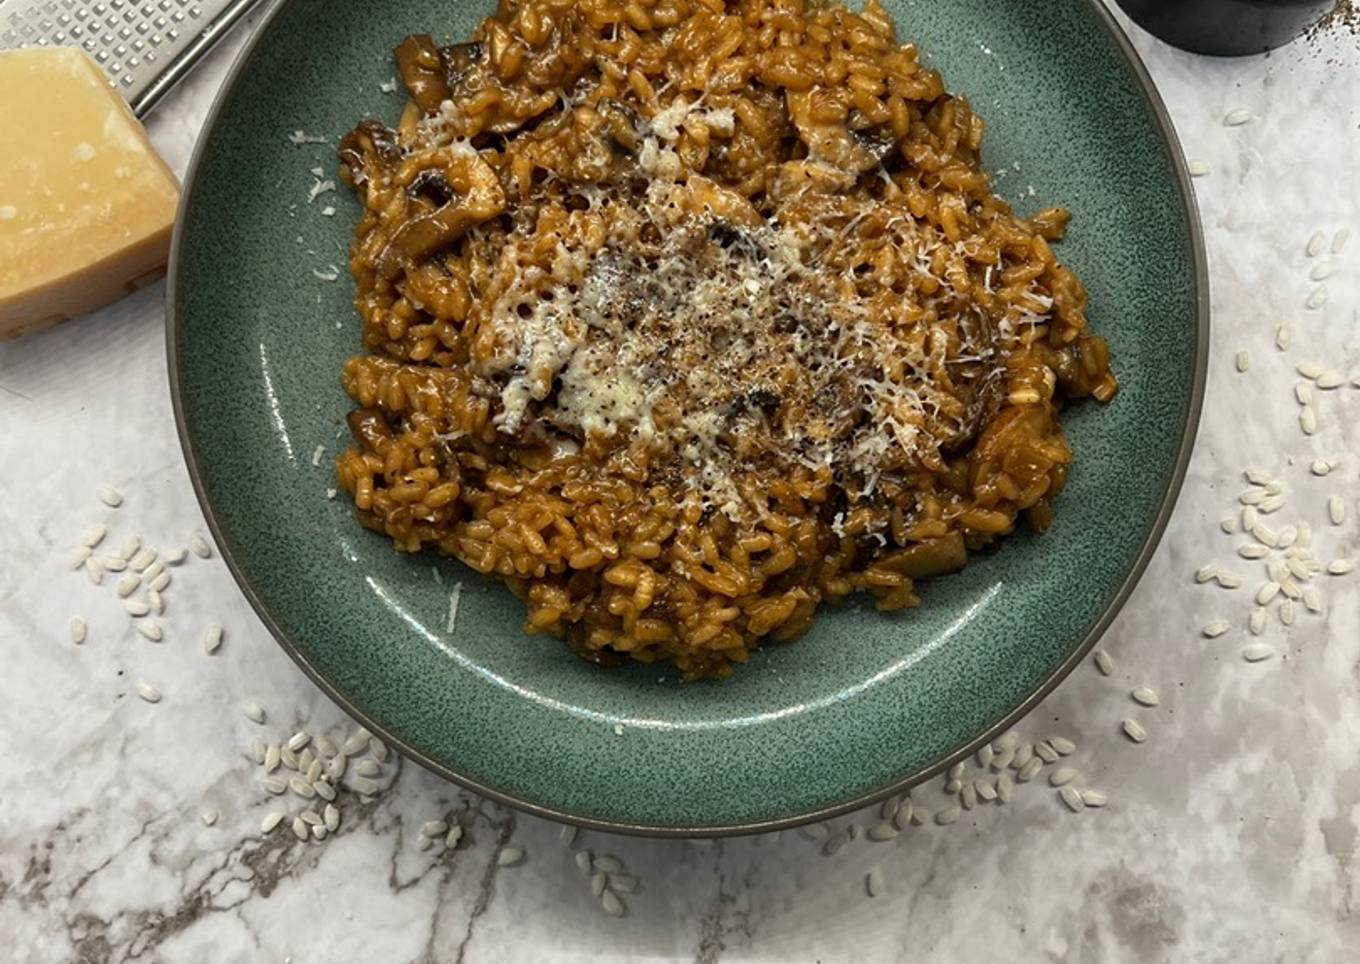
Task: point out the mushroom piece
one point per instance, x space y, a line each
422 71
458 59
370 429
475 195
369 148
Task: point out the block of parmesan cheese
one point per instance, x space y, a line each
86 205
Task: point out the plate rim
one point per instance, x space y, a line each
1152 539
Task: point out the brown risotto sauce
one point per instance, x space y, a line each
683 317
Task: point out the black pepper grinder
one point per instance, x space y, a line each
1225 28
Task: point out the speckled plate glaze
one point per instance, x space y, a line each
864 704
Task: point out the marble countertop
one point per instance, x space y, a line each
1230 834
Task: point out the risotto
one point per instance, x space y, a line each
684 317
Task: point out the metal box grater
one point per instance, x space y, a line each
145 46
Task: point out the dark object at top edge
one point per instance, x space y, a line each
1225 28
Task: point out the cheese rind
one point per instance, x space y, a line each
86 205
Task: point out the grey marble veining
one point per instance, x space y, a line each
1230 835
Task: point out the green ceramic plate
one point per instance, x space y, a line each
864 704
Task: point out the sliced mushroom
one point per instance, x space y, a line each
370 429
369 148
458 60
475 196
422 71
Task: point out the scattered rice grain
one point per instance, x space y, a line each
199 546
947 816
301 787
1134 730
1215 629
1062 776
336 768
110 496
148 692
78 630
902 818
1072 798
364 786
1257 652
623 883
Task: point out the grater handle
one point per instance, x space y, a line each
145 47
179 65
